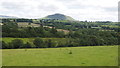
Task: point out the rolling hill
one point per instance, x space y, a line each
4 16
59 17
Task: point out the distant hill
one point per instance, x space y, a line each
4 16
59 17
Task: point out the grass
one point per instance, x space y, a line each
80 56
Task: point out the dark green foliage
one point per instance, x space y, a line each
24 20
80 33
11 30
17 43
51 43
38 42
4 45
27 45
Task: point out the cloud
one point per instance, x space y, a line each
48 7
76 6
78 9
111 9
15 8
66 1
11 5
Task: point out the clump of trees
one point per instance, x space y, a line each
14 44
38 43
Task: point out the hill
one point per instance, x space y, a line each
4 16
59 17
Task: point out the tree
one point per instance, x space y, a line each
17 43
51 43
28 45
54 32
10 45
38 42
4 45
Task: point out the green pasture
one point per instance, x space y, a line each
79 56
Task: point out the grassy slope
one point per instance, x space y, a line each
82 56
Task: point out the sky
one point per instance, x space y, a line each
90 10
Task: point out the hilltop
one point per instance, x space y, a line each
59 17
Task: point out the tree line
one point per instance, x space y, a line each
37 43
79 37
68 42
12 30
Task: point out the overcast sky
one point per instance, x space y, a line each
91 10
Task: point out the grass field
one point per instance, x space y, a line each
81 56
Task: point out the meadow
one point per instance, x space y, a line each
80 56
